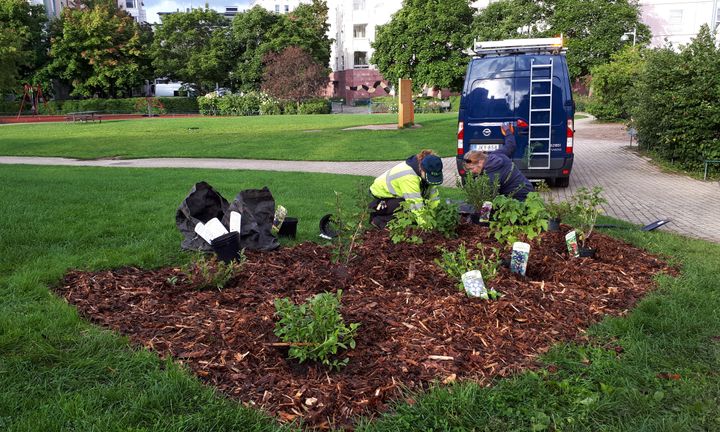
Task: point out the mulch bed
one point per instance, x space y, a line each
416 326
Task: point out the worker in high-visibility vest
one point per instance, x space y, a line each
413 181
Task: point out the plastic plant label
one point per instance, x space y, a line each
202 232
485 211
215 228
235 219
519 258
280 213
572 245
474 285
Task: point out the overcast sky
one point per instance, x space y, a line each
152 7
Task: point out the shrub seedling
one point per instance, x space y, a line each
513 220
210 273
479 188
586 209
349 226
458 262
315 330
444 218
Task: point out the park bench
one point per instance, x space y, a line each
709 162
83 116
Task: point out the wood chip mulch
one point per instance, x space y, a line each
416 326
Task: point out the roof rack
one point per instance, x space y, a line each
518 46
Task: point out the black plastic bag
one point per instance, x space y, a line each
201 204
257 207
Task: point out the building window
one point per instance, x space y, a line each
130 4
358 4
361 60
359 31
277 8
676 16
287 8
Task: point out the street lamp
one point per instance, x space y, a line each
626 36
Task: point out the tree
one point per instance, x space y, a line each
424 41
293 74
613 91
191 47
23 42
100 50
258 32
592 28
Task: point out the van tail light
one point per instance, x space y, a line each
570 136
522 123
461 139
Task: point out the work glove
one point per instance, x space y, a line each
507 127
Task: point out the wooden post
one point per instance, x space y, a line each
406 113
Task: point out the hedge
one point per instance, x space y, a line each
257 103
677 114
612 85
171 105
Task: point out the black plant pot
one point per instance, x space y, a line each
554 224
288 227
587 252
475 218
227 246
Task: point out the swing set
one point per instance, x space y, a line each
33 95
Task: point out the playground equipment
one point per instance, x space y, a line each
34 95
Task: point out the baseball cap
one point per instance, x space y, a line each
433 167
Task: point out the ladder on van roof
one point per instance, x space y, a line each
540 121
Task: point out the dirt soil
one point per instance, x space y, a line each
416 326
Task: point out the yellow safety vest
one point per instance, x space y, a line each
401 181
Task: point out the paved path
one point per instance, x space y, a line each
636 191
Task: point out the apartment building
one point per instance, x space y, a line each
278 6
53 8
678 21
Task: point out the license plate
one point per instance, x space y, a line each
484 147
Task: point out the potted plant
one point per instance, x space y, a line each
586 208
556 211
479 193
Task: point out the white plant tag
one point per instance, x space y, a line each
215 228
235 219
202 232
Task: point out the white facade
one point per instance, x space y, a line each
678 21
278 6
136 8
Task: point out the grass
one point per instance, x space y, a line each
301 137
57 372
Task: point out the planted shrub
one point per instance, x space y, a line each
349 225
210 273
444 219
456 263
479 189
315 330
515 220
586 209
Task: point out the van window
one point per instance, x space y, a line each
491 67
492 98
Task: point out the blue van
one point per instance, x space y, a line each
525 81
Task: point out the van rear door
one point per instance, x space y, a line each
488 100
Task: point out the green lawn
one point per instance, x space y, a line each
300 137
57 372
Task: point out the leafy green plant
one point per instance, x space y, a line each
515 220
444 219
315 330
586 209
555 210
456 263
349 225
479 188
402 226
210 273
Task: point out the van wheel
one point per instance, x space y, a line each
562 182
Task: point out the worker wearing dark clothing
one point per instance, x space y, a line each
499 165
